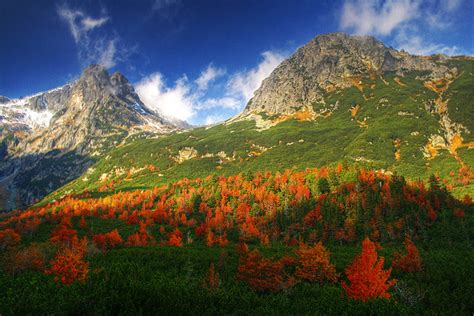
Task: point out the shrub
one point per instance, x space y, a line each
262 274
409 262
108 240
175 238
9 238
141 238
69 266
212 280
313 264
30 258
368 279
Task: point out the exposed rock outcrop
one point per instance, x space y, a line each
52 137
329 62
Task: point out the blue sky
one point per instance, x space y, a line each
198 60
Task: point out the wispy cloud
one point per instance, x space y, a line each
166 8
377 17
92 46
175 102
213 119
164 4
207 76
409 23
196 101
243 84
410 40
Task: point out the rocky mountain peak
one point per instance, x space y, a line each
4 99
95 73
330 62
79 121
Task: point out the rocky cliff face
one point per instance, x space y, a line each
329 62
52 137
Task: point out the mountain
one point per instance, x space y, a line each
338 99
283 209
333 62
52 137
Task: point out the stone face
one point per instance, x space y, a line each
50 138
328 62
3 99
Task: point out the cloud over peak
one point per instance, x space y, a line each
79 23
197 101
207 76
408 23
92 47
377 17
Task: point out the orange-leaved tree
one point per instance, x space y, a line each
69 266
31 257
63 233
9 238
313 264
367 277
175 238
411 261
140 238
108 240
262 274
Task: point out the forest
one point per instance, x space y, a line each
323 240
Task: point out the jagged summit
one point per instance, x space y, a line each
4 99
83 119
329 62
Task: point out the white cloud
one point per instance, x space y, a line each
79 23
408 22
210 74
89 23
451 5
189 100
108 56
92 48
244 84
224 102
408 40
164 4
213 119
174 103
376 17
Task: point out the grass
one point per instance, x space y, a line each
295 144
168 280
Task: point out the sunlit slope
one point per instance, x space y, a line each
404 124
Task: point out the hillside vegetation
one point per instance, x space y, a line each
248 243
387 122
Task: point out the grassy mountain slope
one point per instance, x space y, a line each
150 271
384 122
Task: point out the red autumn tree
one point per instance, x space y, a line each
314 264
63 233
141 238
28 258
9 238
108 240
410 261
69 266
368 280
83 223
212 280
175 238
262 274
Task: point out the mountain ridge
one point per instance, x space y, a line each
85 119
413 121
332 61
